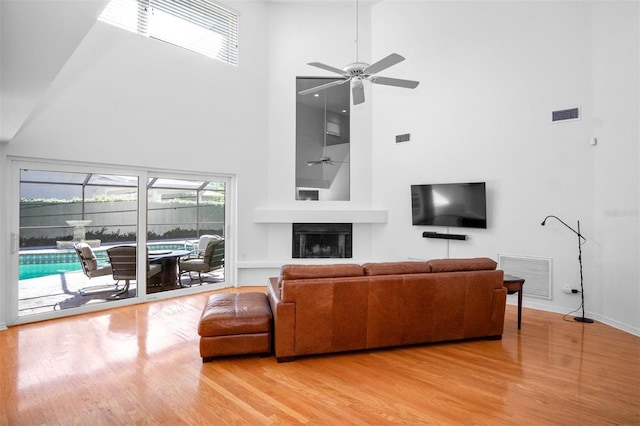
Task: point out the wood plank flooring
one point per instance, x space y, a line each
140 365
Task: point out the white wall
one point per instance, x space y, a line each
491 73
302 33
616 116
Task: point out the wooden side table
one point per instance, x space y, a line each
513 285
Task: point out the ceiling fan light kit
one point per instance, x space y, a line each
357 72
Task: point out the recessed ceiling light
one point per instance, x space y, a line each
317 95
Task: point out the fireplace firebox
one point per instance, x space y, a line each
322 240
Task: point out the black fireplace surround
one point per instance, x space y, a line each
321 240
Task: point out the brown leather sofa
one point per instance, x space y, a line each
344 307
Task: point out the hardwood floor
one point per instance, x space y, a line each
140 365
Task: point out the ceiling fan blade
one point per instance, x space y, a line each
384 63
357 90
314 163
326 67
409 84
323 86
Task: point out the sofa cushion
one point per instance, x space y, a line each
454 265
391 268
299 272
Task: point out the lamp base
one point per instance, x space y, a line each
583 319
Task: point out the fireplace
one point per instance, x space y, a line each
321 240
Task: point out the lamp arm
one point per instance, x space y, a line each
562 222
582 318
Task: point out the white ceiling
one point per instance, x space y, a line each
37 37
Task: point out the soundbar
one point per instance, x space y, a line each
444 236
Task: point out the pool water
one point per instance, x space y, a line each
42 263
43 269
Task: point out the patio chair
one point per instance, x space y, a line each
212 259
201 245
124 265
90 267
89 261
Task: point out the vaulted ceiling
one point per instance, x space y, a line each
36 39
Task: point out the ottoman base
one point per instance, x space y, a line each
235 324
257 343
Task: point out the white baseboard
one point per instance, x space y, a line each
600 318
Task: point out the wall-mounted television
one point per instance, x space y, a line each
461 205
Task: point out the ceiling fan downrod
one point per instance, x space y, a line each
355 73
356 37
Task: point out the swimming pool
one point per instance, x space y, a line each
44 269
41 263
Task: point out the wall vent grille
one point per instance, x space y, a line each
565 114
403 138
536 272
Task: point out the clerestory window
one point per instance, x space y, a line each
198 25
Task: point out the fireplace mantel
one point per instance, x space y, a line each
313 216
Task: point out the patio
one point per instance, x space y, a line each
63 291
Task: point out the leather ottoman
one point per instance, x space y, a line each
235 324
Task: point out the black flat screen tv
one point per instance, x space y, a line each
461 205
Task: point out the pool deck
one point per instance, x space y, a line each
63 291
66 290
74 289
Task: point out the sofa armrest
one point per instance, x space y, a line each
499 306
284 323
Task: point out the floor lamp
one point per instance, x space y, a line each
580 242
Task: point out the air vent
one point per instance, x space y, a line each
536 271
565 114
403 138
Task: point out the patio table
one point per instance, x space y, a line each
169 261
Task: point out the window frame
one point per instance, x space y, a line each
199 14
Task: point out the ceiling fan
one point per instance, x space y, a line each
324 159
357 72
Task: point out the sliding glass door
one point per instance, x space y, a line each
68 220
185 218
87 239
